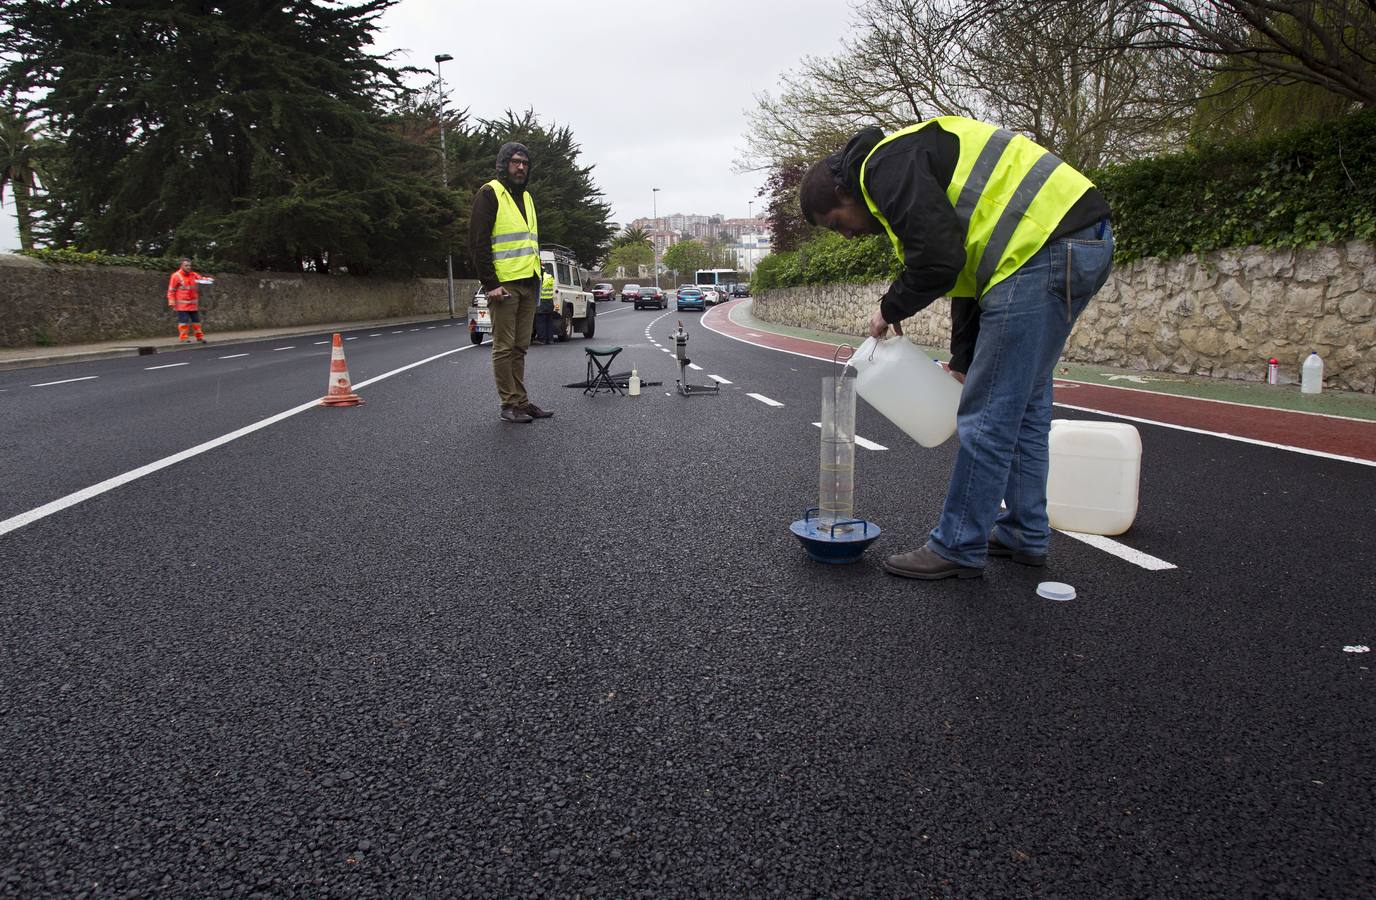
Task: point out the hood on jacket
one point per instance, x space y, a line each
846 164
510 149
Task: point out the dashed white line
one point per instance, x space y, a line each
719 380
318 343
863 442
234 356
432 327
355 338
64 381
109 484
168 366
399 332
292 347
760 397
695 367
379 334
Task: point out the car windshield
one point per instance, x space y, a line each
631 287
690 292
601 287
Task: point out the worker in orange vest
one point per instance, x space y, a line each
184 296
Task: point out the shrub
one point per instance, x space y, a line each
1313 184
156 263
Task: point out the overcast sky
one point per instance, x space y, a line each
655 93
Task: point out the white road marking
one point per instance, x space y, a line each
415 329
355 338
379 334
760 397
1122 551
432 327
168 366
1227 437
234 356
1102 412
109 484
719 380
447 326
695 367
863 442
64 381
292 347
318 343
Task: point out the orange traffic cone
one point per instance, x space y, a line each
341 392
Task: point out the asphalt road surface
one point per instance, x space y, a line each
409 649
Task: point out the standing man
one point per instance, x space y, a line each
1020 241
184 295
504 241
544 311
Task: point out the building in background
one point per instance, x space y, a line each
750 249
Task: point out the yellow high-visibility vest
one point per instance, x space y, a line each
547 287
515 240
1009 195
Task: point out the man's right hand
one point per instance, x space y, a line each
497 293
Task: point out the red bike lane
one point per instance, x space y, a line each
1349 439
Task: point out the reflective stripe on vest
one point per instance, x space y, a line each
1009 194
547 287
515 239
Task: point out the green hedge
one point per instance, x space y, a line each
828 258
1310 185
1307 186
154 263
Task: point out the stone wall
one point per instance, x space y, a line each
47 304
1222 314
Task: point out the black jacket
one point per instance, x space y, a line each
907 179
484 215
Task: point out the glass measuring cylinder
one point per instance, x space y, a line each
836 475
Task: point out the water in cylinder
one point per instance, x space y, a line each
836 482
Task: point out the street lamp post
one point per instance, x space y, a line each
654 194
444 172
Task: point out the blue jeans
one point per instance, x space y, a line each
1004 419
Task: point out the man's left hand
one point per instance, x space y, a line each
879 328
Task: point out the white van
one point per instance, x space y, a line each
574 308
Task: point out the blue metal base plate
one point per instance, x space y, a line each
835 547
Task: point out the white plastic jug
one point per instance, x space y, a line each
900 381
1094 474
1311 374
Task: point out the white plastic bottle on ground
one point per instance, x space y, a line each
899 380
634 383
1311 374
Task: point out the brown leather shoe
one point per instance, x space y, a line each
535 412
515 414
928 565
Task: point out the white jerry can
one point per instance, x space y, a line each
1095 471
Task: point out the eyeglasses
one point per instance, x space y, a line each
521 162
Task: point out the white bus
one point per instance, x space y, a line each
719 280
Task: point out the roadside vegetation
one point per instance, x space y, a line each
1207 124
261 137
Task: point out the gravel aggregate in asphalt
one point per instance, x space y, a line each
409 649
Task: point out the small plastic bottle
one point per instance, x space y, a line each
1311 374
634 383
1273 371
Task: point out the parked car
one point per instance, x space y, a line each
630 292
740 290
690 298
603 291
651 296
